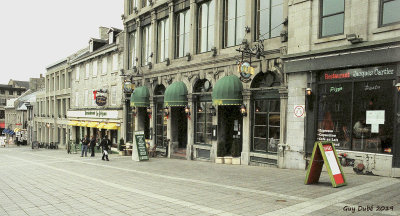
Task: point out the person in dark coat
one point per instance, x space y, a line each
92 144
85 142
104 146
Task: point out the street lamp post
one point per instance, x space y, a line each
29 126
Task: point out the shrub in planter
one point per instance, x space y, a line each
221 150
236 148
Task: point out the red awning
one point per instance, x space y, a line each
2 124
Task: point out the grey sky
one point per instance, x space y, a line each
35 34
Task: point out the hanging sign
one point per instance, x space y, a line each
324 152
101 100
245 70
140 152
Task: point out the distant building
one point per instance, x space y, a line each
96 88
13 89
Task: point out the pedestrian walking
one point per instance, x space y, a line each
85 142
92 144
104 147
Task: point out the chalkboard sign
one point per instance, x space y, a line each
141 146
324 152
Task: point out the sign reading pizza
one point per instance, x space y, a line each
324 152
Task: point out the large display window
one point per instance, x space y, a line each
356 109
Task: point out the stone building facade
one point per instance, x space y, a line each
97 99
12 89
346 55
190 98
52 102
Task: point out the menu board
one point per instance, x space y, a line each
324 152
140 151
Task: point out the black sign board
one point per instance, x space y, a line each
101 100
141 145
358 73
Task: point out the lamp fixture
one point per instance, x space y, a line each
149 111
398 87
243 110
187 111
258 109
308 91
166 112
134 111
200 109
213 111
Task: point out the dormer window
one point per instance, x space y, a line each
91 46
111 37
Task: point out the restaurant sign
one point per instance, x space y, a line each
113 114
245 70
101 100
358 73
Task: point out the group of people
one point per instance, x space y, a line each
104 144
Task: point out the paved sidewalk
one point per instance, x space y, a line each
51 182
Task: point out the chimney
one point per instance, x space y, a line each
103 33
41 75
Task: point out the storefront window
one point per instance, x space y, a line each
356 111
161 126
266 127
203 123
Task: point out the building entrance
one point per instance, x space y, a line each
230 128
178 131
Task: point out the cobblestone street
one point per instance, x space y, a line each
51 182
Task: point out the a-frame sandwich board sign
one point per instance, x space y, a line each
324 152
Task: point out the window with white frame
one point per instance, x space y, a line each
113 95
87 70
104 65
269 18
163 39
92 98
132 50
76 99
206 26
86 96
77 73
146 45
182 33
115 62
95 68
234 22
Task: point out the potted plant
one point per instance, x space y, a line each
221 151
121 147
236 151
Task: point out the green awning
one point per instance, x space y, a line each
176 95
140 97
227 91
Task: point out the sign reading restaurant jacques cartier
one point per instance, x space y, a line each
358 73
93 114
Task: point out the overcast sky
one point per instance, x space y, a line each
37 33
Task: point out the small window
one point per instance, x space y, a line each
76 99
94 68
10 92
234 22
206 26
110 37
182 33
115 62
113 95
2 92
19 92
146 45
389 12
132 5
104 66
77 73
132 50
87 70
332 17
145 3
86 96
163 39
